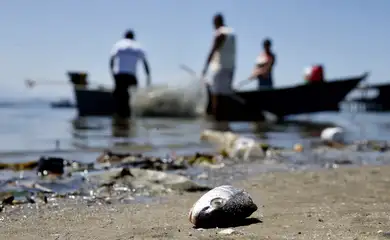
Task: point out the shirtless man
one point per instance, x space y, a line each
264 66
222 61
125 55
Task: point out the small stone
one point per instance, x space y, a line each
203 176
227 231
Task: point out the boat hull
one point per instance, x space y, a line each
305 98
94 102
379 103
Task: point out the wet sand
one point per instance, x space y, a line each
347 203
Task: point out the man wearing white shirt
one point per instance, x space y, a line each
222 61
125 55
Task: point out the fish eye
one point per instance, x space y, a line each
217 202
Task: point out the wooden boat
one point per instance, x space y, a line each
304 98
62 103
379 102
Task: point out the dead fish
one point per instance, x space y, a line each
222 206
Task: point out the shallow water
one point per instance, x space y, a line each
33 130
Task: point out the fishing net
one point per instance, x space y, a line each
186 97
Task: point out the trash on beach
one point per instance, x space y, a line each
152 181
108 156
246 147
51 166
371 145
221 139
298 147
56 166
171 162
235 146
47 166
222 206
19 166
139 161
206 160
22 192
333 136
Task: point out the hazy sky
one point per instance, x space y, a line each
43 39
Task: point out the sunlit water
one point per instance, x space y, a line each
28 131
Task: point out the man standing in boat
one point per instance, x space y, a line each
222 61
125 55
264 66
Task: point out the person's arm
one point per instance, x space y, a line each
218 42
147 71
146 67
112 58
257 71
112 65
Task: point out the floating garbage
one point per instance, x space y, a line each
245 147
333 134
234 145
221 139
222 206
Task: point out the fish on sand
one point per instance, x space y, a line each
222 206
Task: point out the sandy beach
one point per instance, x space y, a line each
345 203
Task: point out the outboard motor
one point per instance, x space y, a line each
314 74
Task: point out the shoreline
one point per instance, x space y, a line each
343 203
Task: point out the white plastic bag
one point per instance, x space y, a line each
187 97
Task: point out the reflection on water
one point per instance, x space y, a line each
45 129
121 127
156 134
220 126
36 132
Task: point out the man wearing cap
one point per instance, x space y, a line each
123 65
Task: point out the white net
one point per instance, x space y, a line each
185 98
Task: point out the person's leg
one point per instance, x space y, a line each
215 91
214 104
125 99
122 96
264 83
222 88
260 83
131 82
116 94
